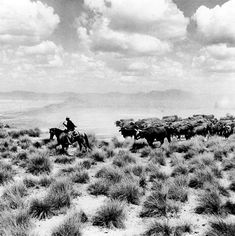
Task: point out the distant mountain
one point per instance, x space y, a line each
153 99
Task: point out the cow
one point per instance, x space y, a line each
152 134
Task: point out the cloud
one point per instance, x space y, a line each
105 39
26 22
161 18
146 28
45 54
216 25
216 58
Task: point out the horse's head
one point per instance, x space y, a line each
52 133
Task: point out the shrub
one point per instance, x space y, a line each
110 174
116 143
40 208
229 207
209 203
138 170
157 228
190 154
20 158
6 173
43 181
219 154
92 140
24 142
155 172
86 164
63 159
144 152
200 177
80 177
3 134
71 226
228 164
109 151
13 195
180 169
139 144
157 157
110 215
126 191
157 205
178 192
123 158
182 229
15 223
221 228
98 155
39 164
232 186
100 187
59 194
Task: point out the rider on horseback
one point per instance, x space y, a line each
70 128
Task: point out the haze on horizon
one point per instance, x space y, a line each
117 45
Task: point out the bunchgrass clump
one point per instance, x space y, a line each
98 155
64 159
116 143
110 215
39 164
40 208
221 228
126 191
157 228
157 205
100 187
59 195
158 157
15 223
71 226
209 203
200 177
6 173
13 196
144 152
155 172
110 174
81 177
177 192
123 158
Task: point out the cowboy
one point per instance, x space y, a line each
70 126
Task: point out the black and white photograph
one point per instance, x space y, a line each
117 117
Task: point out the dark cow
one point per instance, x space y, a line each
152 134
128 132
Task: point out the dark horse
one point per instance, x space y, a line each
82 140
64 139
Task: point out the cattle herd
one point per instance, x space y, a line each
155 129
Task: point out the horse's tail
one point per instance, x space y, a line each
87 142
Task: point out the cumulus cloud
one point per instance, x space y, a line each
26 22
131 27
216 25
216 58
161 18
45 54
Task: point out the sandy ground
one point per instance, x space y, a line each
134 225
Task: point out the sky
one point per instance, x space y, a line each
117 45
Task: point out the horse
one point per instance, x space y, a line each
82 140
62 136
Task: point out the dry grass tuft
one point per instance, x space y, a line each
110 215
